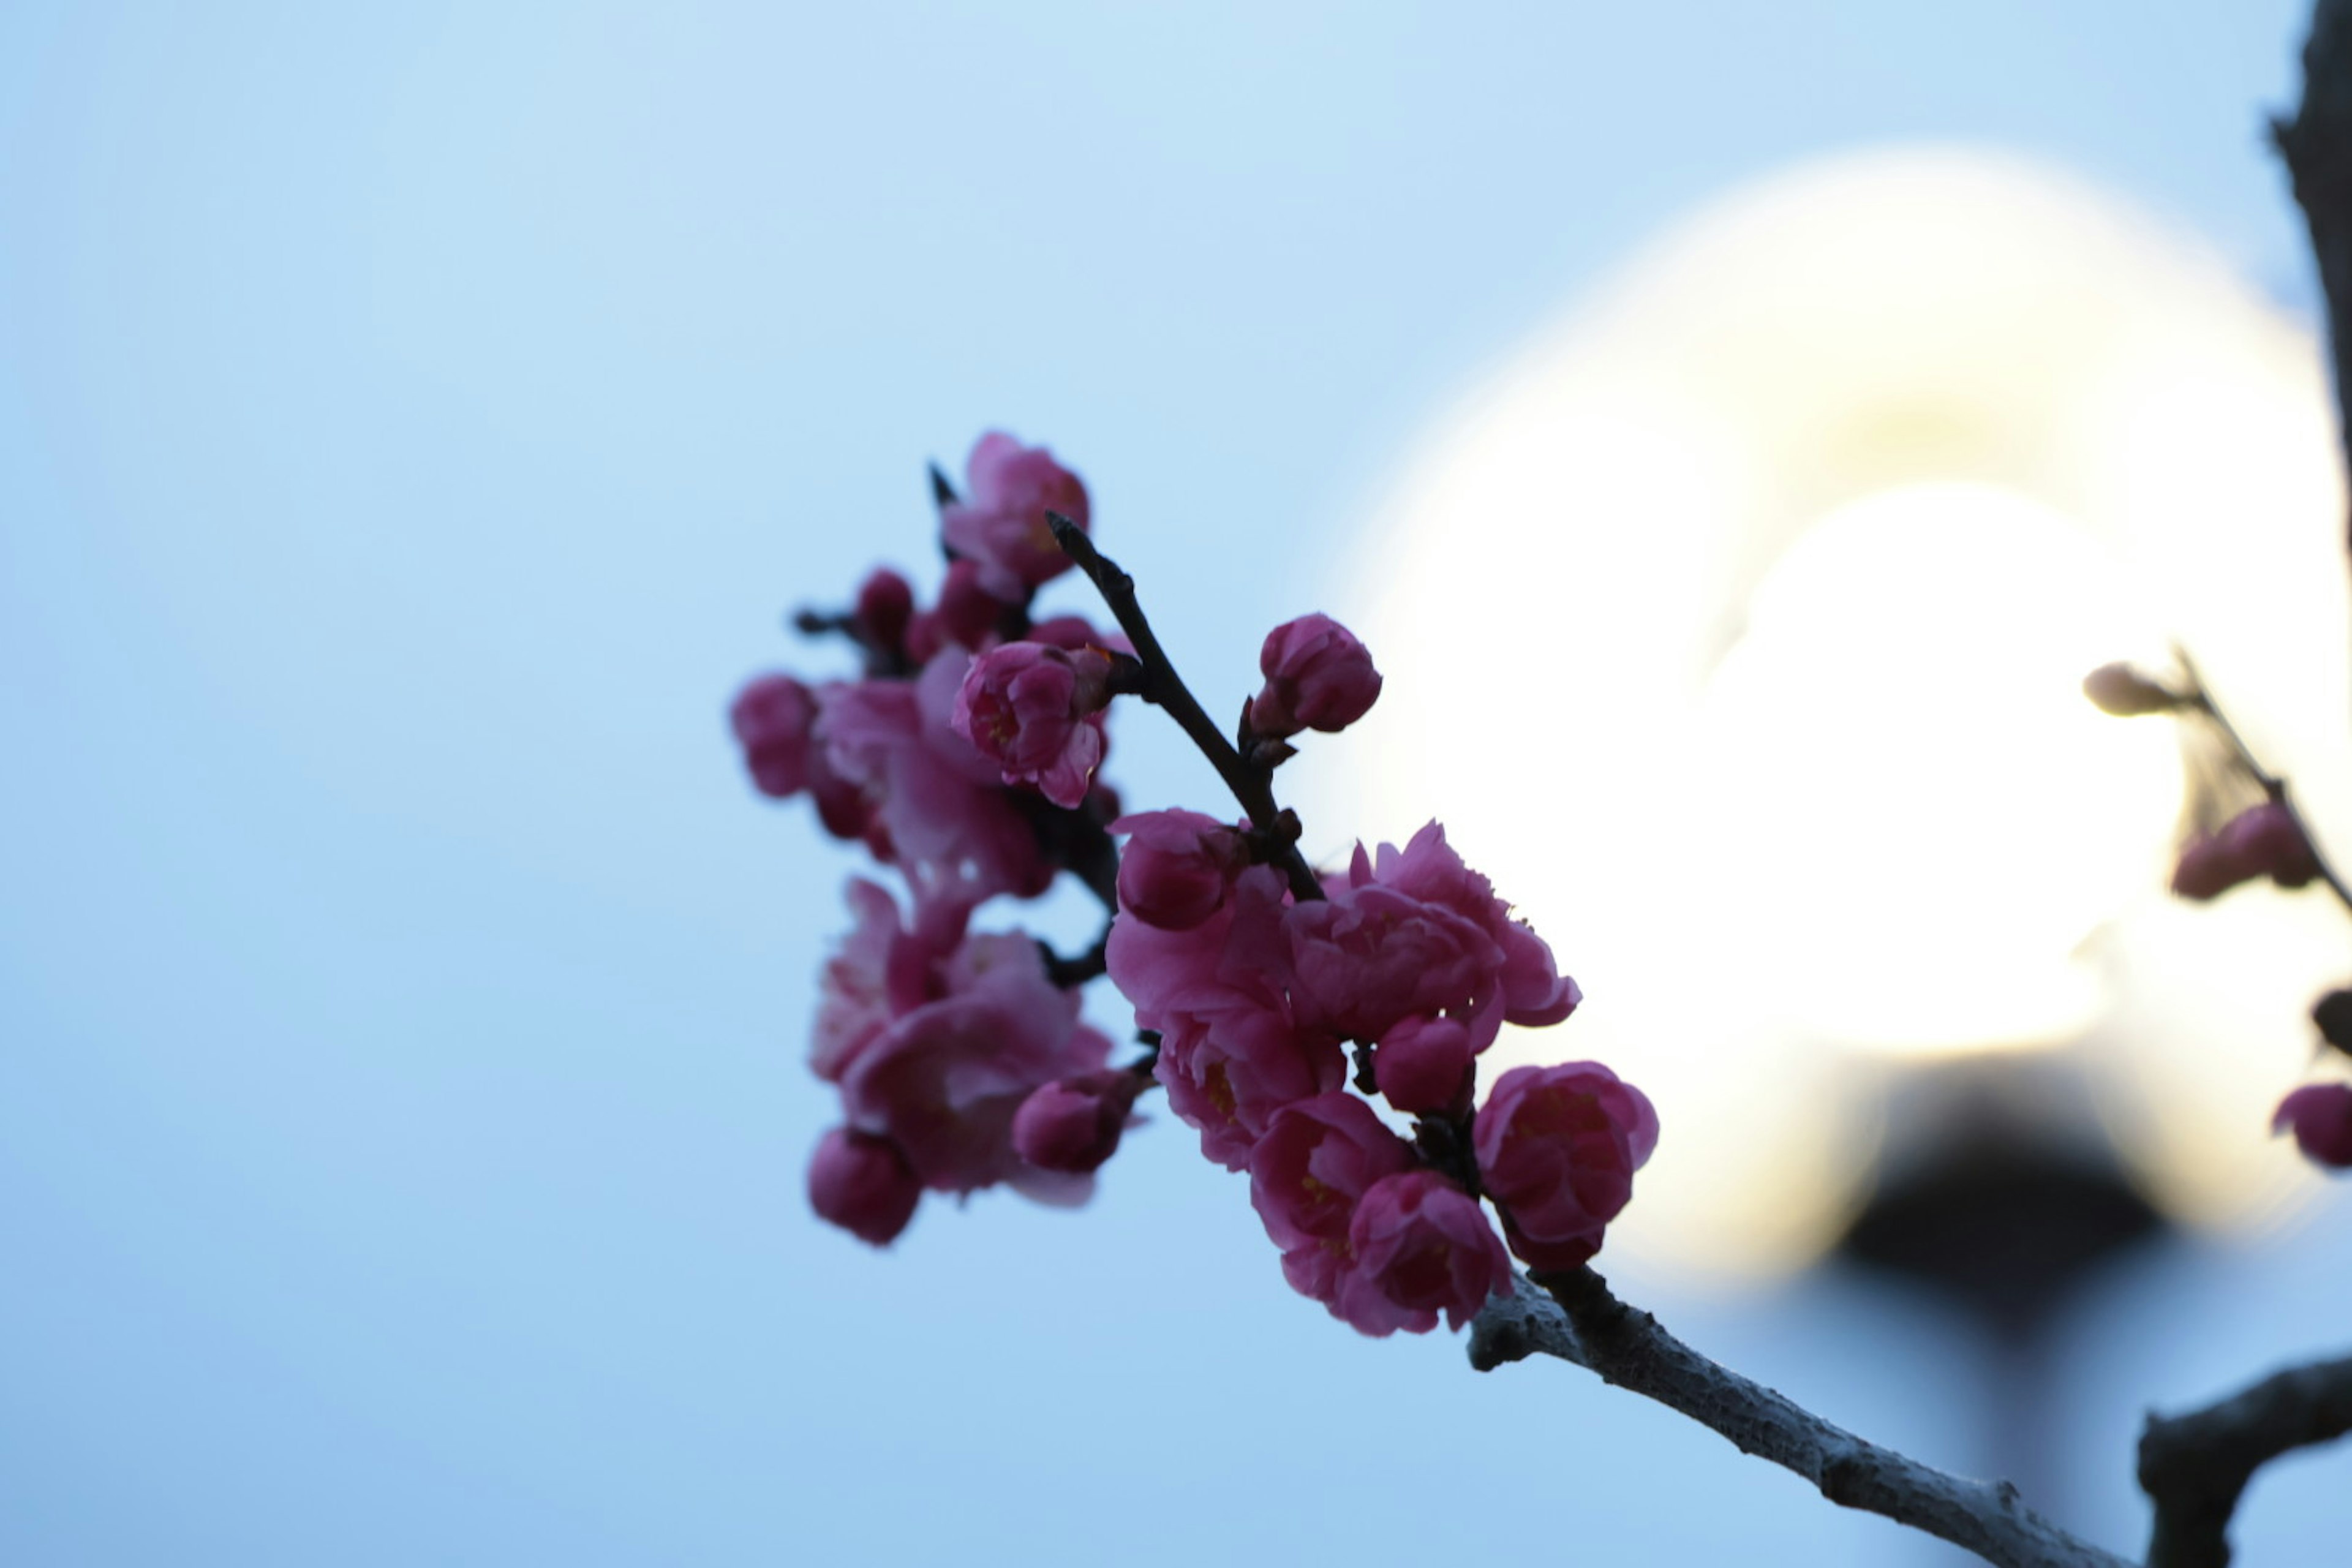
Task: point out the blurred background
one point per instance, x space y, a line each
1736 430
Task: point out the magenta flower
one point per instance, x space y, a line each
1422 1247
773 718
949 824
1318 1157
1074 1123
1534 994
1000 522
1037 713
863 1185
2320 1116
1557 1148
944 1081
1177 867
1423 1064
2262 841
1368 957
1317 676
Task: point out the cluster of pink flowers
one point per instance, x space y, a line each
967 757
938 1037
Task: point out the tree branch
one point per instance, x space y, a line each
2316 145
1575 1317
1252 783
2194 1467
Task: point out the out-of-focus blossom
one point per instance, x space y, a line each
1000 524
863 1185
1177 867
2320 1116
944 1081
1037 713
1074 1123
1317 676
1422 1247
1557 1148
773 717
2262 841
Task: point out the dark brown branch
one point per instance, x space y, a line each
2316 144
2194 1467
1579 1321
1252 783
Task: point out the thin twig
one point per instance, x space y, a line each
2194 1467
1578 1319
1252 785
2273 786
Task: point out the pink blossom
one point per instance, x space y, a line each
2262 841
1557 1148
1318 1157
1423 1064
1074 1123
886 604
2320 1116
1177 867
1037 713
950 824
882 970
966 616
771 718
1369 956
1000 522
1534 994
944 1081
1421 1246
863 1185
1317 676
1231 1054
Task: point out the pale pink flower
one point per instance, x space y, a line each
1037 713
1318 1157
1000 524
2320 1116
863 1185
1177 867
1317 676
1420 1246
1557 1148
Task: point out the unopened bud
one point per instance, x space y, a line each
2120 689
864 1184
1074 1124
2320 1116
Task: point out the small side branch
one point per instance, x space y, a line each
2194 1467
1579 1320
2316 145
1253 784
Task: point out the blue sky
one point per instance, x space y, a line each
413 421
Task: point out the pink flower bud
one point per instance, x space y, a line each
886 603
2262 841
1422 1247
1074 1123
1422 1063
862 1183
2320 1116
1177 867
1000 525
965 617
1557 1148
1035 712
2120 689
1317 676
772 717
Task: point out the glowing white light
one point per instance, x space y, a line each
1735 629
